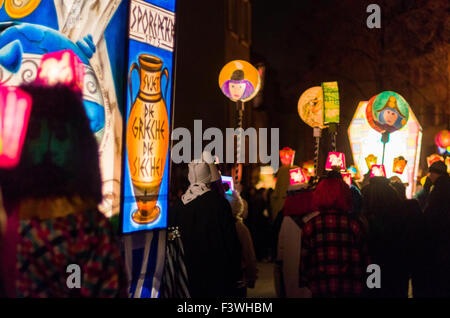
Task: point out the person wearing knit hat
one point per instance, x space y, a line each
437 169
212 252
51 201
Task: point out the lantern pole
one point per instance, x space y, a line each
317 134
240 113
384 140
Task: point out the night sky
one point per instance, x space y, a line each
304 43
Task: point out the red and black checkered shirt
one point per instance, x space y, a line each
334 255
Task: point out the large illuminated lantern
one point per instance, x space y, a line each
406 142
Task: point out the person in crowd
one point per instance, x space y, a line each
212 252
422 194
433 269
389 246
259 224
239 208
53 226
297 211
412 215
334 254
356 199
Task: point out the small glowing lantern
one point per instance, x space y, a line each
335 160
442 139
433 158
354 173
447 162
62 67
399 165
347 178
287 156
371 160
309 168
15 107
377 171
297 176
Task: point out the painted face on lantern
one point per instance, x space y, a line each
237 90
390 116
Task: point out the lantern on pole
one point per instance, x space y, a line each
310 110
331 109
240 82
15 108
399 165
386 113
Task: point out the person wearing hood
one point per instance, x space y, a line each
212 252
53 224
334 255
239 208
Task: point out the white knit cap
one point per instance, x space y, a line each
199 173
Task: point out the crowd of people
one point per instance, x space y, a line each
322 236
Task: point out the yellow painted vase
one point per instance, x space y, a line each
147 137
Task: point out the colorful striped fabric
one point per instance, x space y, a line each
47 247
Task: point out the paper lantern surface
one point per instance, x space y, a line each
442 139
330 102
287 156
62 67
308 167
335 159
15 107
310 107
399 165
387 111
377 171
239 81
433 158
296 176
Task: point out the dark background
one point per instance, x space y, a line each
304 43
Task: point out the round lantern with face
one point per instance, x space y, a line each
239 81
237 87
387 112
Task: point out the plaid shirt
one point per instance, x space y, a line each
334 255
